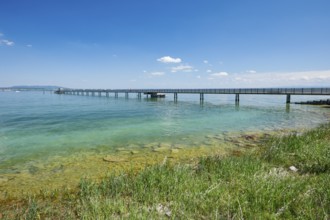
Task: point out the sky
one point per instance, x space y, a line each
117 44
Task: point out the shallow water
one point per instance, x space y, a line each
48 135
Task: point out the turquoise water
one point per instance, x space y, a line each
49 141
36 125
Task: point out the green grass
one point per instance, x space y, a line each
310 152
254 185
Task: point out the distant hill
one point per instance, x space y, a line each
36 87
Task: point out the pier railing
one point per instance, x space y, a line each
276 91
271 91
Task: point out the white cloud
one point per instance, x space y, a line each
168 59
251 71
282 79
198 77
220 74
7 42
157 73
209 71
183 68
29 45
205 61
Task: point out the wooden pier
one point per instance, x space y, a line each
154 93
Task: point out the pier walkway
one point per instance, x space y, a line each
155 92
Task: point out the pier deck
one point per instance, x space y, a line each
252 91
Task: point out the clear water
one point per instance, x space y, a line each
37 125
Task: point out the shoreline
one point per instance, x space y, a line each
66 172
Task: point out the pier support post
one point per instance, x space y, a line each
99 93
237 98
116 94
126 95
87 93
139 95
107 94
175 96
201 97
288 98
93 93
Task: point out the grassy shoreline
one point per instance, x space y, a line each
256 184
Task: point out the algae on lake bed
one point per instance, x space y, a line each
60 171
254 184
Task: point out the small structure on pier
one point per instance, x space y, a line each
155 95
59 91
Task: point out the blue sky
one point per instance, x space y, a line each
165 44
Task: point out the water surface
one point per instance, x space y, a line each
36 127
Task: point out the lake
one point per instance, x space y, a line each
53 140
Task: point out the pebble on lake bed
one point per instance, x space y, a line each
175 151
3 179
134 152
161 149
113 159
151 145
